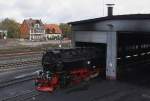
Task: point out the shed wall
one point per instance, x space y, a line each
91 36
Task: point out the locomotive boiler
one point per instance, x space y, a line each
68 66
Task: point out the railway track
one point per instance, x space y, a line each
18 54
19 57
8 59
28 95
15 81
25 96
20 65
19 60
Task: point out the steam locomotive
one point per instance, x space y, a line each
68 66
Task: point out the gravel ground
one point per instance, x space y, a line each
97 90
10 43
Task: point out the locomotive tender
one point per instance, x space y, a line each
68 66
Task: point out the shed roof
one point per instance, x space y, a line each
115 17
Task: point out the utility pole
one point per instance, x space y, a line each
103 9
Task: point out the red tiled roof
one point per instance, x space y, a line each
53 27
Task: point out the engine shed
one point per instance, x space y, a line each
125 40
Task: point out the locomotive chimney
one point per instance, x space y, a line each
110 9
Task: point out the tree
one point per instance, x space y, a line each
66 30
11 26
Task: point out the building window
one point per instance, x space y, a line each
36 26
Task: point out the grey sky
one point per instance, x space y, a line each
56 11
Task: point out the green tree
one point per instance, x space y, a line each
11 26
66 29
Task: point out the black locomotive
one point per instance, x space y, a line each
64 66
69 58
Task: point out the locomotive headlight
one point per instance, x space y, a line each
39 72
88 62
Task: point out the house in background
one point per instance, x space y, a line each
52 31
32 29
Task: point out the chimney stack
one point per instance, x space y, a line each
110 9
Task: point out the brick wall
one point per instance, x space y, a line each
24 30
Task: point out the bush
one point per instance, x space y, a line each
11 26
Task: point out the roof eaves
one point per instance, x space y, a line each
116 17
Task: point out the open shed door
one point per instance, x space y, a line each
96 39
134 56
102 48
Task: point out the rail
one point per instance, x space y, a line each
23 97
18 54
20 60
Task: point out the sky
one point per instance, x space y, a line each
62 11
